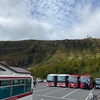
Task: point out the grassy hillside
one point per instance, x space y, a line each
61 56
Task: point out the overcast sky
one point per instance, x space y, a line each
49 19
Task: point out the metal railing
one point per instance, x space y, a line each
93 96
98 96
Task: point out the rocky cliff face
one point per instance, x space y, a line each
33 52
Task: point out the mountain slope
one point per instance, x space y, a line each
61 56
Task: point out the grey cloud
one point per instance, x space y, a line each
16 29
17 23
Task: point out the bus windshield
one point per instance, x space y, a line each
72 79
84 79
50 78
61 78
97 81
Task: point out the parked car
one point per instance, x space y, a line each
97 83
39 80
45 80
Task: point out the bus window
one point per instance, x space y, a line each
16 82
85 79
50 78
5 82
28 81
97 83
61 78
27 85
72 79
22 81
5 88
17 88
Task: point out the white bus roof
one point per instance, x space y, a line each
53 74
97 78
15 76
64 75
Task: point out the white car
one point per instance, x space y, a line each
45 80
39 80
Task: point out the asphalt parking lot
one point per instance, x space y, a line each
43 92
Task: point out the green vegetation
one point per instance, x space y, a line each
61 56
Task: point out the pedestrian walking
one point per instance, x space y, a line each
34 82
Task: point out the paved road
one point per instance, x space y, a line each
42 92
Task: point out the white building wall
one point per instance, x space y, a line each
6 72
9 72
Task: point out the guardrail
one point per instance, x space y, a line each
98 96
93 96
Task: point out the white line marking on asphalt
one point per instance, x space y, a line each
41 86
42 90
54 92
90 93
70 93
55 97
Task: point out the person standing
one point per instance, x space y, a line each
34 82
